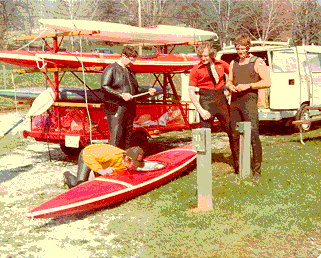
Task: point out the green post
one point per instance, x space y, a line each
245 148
202 144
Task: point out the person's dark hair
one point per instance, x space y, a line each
211 50
243 40
129 52
136 154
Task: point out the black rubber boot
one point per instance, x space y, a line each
83 170
69 179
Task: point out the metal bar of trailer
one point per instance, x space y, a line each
53 35
86 86
80 69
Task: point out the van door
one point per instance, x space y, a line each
314 63
285 77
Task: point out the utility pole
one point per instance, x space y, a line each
140 23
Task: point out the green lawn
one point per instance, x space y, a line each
278 217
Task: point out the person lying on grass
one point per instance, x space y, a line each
104 159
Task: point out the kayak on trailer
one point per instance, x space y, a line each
157 63
157 34
111 189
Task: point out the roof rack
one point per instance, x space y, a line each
261 43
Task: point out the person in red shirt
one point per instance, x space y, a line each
209 78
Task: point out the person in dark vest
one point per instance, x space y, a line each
248 73
209 78
119 85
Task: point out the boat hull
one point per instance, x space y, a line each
157 64
158 34
111 189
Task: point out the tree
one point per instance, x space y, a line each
266 19
218 16
9 19
306 26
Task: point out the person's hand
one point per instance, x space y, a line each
152 91
231 88
107 171
204 114
127 96
242 87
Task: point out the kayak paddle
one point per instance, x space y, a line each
41 104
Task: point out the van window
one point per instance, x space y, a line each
284 62
314 62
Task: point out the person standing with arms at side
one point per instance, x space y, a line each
209 77
119 85
248 73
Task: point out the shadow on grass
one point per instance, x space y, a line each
8 174
308 139
219 157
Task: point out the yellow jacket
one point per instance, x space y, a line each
102 156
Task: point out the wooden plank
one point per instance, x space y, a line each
86 69
72 104
54 35
307 121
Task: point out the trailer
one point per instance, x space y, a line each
74 123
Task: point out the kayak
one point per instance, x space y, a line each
157 34
108 190
157 63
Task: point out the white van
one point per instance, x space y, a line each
296 80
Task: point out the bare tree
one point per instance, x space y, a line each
10 20
153 12
217 15
267 19
306 25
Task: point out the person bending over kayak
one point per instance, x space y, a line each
104 159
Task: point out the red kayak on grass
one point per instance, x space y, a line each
111 189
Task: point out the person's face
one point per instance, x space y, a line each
205 58
242 51
127 61
129 164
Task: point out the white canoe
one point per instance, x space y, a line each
158 34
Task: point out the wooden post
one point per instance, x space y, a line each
245 148
202 144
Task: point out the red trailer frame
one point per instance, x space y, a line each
74 125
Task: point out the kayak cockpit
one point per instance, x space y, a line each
150 166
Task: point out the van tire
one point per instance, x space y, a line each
302 114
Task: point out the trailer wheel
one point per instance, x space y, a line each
139 139
302 114
70 152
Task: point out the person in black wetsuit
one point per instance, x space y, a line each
119 85
247 74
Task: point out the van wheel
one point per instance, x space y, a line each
70 152
139 139
303 114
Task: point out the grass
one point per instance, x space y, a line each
278 217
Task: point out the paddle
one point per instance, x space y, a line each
39 105
140 94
